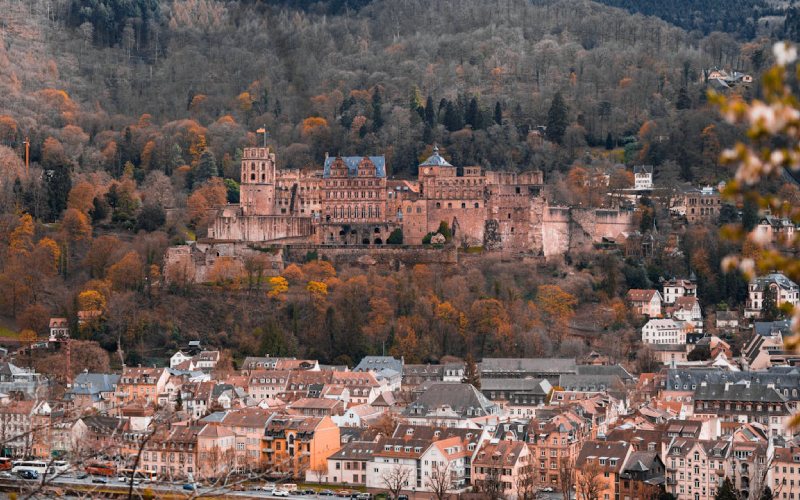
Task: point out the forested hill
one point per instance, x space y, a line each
738 17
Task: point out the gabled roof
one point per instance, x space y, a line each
642 169
744 392
640 295
463 399
352 162
762 282
377 363
435 160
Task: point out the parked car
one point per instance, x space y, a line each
5 475
327 493
190 487
343 493
309 491
99 480
81 475
402 497
364 496
548 490
279 493
28 474
268 487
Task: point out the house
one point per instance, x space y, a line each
267 384
786 472
348 466
695 469
745 402
24 382
416 375
296 444
687 309
378 363
643 177
781 290
358 416
664 331
451 403
363 386
317 407
670 354
172 452
727 321
601 463
93 390
503 468
143 384
512 390
700 205
549 368
247 426
216 452
642 476
676 287
645 302
779 231
766 347
59 329
453 372
555 439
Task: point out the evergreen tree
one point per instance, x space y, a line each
430 113
683 101
377 111
498 113
58 183
557 119
206 167
453 121
471 374
271 340
726 491
609 142
472 115
749 215
769 309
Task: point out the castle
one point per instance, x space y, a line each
352 204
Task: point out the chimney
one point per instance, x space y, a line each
727 386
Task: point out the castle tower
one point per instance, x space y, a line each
257 189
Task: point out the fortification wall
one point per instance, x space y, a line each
200 262
229 225
393 256
574 230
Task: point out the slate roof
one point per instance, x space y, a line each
769 328
435 160
92 384
783 378
352 164
532 385
377 363
738 392
355 450
590 383
618 370
643 169
762 282
461 398
488 366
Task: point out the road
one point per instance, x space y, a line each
68 481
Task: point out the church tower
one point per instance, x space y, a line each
257 188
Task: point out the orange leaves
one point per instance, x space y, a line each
75 225
57 99
211 194
48 254
318 290
81 197
293 274
277 287
53 153
313 124
197 102
245 102
127 274
91 300
225 271
319 270
8 129
21 241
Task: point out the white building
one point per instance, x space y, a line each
645 302
687 309
643 177
784 290
664 331
675 288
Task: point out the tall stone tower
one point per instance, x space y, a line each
257 189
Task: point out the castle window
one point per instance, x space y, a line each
449 205
463 205
477 205
252 177
438 205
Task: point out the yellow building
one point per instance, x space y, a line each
296 444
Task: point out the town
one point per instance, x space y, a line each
700 422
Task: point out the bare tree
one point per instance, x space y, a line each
566 476
589 483
758 477
490 485
526 482
395 479
320 471
440 482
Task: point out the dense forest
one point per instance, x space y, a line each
136 113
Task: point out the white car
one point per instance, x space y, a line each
279 493
268 487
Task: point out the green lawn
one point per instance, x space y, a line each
8 333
